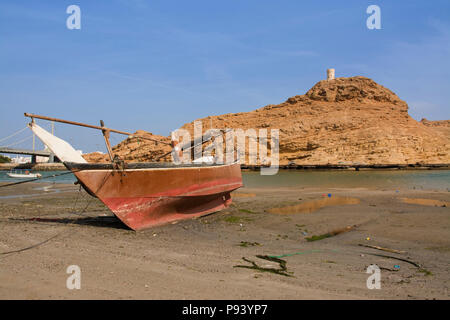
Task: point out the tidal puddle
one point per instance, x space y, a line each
46 188
242 195
314 205
426 202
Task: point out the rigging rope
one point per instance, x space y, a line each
18 142
54 236
16 133
31 180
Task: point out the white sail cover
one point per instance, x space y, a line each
62 149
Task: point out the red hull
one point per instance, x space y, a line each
147 197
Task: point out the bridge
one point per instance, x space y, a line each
34 153
41 153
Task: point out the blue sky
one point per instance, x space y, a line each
155 65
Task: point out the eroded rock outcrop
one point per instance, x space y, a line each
341 121
136 149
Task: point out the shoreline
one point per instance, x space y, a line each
36 167
244 167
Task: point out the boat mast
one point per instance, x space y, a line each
32 116
34 138
106 131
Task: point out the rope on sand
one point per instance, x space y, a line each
32 246
56 235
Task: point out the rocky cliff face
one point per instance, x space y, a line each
135 149
341 121
442 126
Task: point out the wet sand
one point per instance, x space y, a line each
197 259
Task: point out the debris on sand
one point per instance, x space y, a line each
330 234
282 270
247 244
381 248
417 265
296 253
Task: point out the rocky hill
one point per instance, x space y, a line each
341 121
442 126
135 149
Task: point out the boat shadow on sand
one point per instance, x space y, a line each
99 221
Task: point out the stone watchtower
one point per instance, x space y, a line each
330 74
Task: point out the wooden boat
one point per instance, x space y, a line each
143 195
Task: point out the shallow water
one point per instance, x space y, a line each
62 177
314 205
391 179
427 202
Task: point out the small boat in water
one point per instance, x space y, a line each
147 194
23 174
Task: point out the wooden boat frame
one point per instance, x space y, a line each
144 195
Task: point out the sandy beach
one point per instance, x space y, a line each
199 259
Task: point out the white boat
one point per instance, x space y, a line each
25 175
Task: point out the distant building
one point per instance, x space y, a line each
40 159
20 160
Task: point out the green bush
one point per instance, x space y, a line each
4 159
